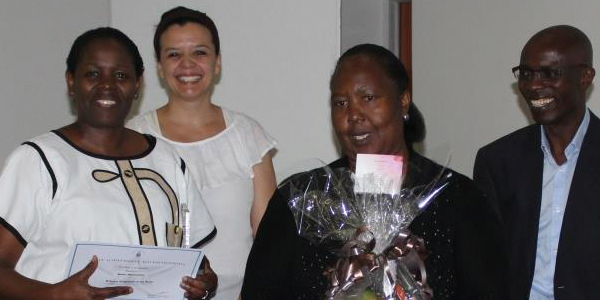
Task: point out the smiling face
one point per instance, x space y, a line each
104 84
561 100
366 109
188 62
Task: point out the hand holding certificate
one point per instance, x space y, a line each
152 272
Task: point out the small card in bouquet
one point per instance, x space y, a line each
374 169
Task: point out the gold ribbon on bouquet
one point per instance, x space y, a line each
357 261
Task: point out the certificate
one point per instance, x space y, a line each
152 272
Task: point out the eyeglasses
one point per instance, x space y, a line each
524 73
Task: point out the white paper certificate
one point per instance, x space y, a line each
152 272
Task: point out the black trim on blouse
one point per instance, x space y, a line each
150 139
13 231
46 163
182 165
206 239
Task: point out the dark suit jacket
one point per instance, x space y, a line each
510 171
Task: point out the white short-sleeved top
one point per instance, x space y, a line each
51 197
222 165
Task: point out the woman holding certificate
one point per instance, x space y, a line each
372 113
95 181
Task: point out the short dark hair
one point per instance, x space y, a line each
414 128
104 33
182 15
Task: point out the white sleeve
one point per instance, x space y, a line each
202 226
264 141
254 141
26 191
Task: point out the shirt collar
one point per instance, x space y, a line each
575 143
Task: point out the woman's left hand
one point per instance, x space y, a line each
202 286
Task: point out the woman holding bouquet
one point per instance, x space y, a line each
372 112
94 181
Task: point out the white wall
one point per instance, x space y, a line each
367 22
277 59
463 52
35 37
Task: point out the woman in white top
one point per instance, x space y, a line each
94 181
227 152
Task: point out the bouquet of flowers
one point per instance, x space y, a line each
366 226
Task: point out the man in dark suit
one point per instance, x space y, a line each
545 178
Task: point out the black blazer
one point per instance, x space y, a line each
459 228
510 171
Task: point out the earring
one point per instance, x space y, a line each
136 96
406 118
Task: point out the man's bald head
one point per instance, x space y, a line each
568 40
556 71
